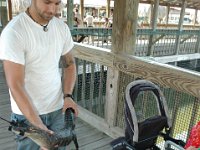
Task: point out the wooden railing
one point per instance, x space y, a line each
100 24
181 84
162 42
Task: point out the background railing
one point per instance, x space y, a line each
161 42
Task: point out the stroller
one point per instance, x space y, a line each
142 135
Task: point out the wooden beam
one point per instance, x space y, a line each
185 39
99 123
167 19
111 96
157 39
3 13
82 9
70 15
90 53
175 58
194 4
153 26
108 9
123 41
195 17
155 14
166 75
197 46
180 27
9 8
124 26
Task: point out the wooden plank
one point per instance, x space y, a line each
180 26
174 58
111 96
92 78
93 54
168 76
106 147
8 146
83 84
90 133
9 7
70 16
91 139
99 123
97 144
165 75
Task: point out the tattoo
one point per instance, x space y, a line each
67 60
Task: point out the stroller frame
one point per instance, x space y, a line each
140 135
161 103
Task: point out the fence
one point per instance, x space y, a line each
161 42
102 95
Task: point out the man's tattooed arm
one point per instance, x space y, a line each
69 79
69 72
67 60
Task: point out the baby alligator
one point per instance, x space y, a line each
59 138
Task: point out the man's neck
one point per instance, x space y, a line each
35 17
45 26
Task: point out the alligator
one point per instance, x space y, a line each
45 139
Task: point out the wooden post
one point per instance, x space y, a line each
82 9
9 9
197 46
198 38
153 26
195 17
167 16
1 24
70 15
180 27
123 42
108 9
124 26
151 14
3 13
155 15
98 12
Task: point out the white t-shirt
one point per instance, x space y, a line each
23 41
89 20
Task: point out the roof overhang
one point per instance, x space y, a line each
195 4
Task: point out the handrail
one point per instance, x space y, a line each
108 31
166 75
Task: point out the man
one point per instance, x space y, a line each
89 19
77 15
30 47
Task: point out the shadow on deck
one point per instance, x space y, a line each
89 138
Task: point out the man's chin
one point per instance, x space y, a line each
48 18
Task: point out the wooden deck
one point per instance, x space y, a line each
89 138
